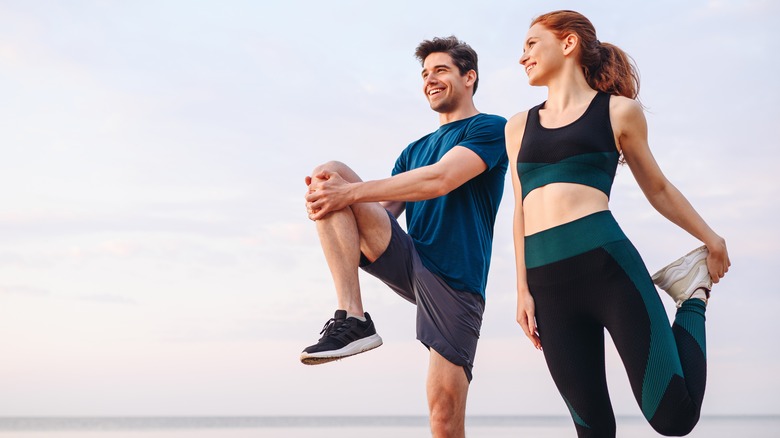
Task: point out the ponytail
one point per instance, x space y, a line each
614 73
607 68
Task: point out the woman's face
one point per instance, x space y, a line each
543 54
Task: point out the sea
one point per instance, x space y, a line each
363 426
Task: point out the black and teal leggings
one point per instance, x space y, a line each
586 276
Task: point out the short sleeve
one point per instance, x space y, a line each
400 164
485 137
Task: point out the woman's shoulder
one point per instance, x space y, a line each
624 106
517 121
515 127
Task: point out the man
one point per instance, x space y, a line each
450 183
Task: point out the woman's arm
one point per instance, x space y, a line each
630 125
525 303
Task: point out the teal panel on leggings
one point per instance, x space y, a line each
663 361
690 316
571 239
577 419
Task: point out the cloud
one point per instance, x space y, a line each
24 290
109 299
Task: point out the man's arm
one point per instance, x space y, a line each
329 192
394 207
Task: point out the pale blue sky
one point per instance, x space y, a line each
155 257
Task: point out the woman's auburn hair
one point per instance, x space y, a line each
607 68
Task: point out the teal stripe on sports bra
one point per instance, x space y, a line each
593 169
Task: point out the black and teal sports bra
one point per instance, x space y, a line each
582 152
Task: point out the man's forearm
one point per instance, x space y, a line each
416 185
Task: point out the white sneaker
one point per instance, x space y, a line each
684 276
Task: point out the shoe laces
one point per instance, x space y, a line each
333 327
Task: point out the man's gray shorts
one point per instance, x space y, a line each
448 320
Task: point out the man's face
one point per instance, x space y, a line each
443 85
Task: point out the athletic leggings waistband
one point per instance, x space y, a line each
571 239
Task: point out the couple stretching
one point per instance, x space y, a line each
577 273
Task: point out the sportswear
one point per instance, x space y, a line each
585 276
448 320
582 152
342 337
684 276
453 233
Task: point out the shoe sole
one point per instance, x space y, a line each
678 269
684 270
356 347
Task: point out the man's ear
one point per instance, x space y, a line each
471 77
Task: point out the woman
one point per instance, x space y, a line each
577 273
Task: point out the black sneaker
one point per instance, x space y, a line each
342 337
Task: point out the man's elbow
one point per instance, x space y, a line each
442 182
439 190
441 186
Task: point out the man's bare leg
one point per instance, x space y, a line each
447 388
344 234
340 242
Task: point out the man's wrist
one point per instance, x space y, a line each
354 192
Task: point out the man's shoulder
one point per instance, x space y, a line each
490 119
484 123
474 125
487 124
421 141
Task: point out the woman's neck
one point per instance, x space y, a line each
568 89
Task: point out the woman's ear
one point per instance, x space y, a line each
569 43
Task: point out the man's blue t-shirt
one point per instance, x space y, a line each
454 233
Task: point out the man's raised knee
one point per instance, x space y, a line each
336 167
330 166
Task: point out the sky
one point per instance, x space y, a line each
155 255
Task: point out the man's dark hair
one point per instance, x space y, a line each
464 57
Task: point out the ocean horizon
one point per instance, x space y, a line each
292 426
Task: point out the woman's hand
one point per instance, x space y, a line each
526 311
718 259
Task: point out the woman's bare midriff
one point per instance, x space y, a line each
559 203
